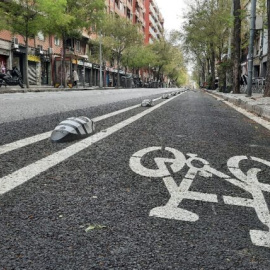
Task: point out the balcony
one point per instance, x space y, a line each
151 9
141 4
153 12
152 21
160 27
129 4
152 32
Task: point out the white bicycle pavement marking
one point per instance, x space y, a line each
248 182
39 137
177 163
21 176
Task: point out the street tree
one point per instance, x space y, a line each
176 68
163 50
119 34
69 18
23 17
205 34
138 56
236 44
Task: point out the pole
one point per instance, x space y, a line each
100 63
250 47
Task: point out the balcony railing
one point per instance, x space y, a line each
152 32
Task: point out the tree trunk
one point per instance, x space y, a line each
237 46
26 63
203 73
212 63
267 79
118 72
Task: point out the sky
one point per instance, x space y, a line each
172 11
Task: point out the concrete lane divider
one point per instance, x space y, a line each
73 128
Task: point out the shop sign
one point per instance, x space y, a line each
88 64
95 66
256 62
4 52
80 62
33 58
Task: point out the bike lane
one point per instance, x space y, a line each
177 189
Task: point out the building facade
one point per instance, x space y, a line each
260 46
154 22
45 53
143 12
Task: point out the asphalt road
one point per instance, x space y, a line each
181 185
19 106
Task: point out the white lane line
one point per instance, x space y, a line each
39 137
250 115
19 177
24 142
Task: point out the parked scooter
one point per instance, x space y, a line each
12 77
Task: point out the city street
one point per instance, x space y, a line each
184 184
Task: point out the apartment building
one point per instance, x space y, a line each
154 22
13 53
143 12
123 8
46 52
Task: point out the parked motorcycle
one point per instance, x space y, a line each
12 77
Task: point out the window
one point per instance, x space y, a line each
77 45
121 6
56 41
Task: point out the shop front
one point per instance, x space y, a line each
18 57
45 66
96 72
88 70
34 69
62 72
83 69
4 56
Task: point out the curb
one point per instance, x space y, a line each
26 90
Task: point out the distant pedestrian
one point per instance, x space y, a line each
75 78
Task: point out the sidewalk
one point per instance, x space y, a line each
45 88
256 104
